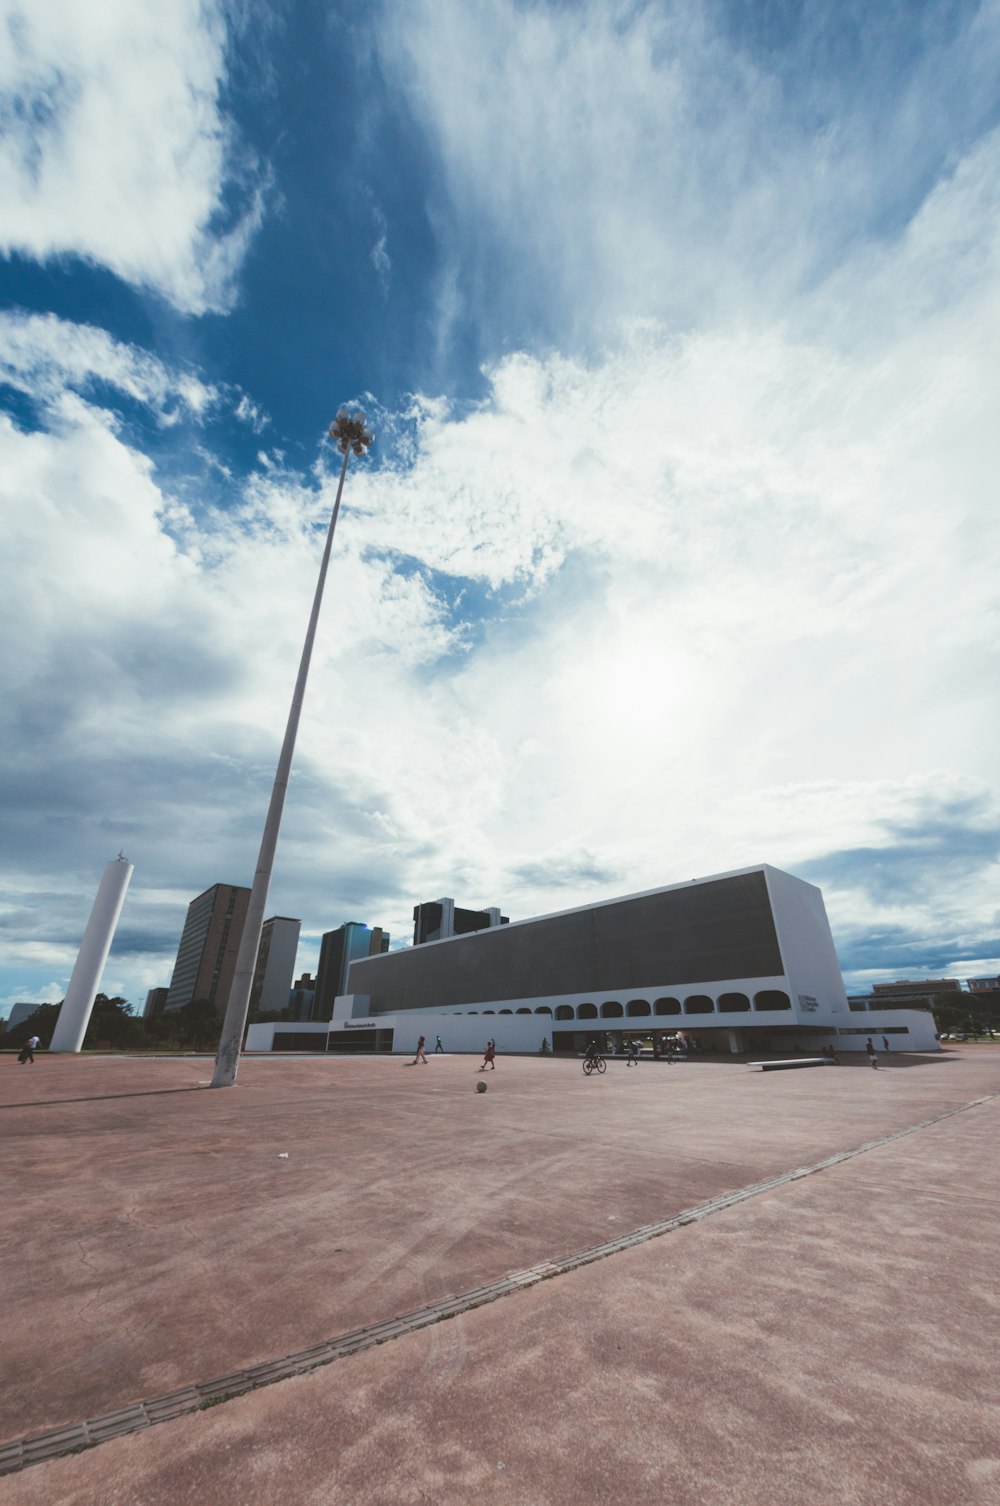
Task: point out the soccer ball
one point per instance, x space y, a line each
481 1087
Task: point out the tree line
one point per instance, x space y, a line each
115 1026
974 1013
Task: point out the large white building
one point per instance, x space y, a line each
739 962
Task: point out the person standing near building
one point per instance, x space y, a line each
872 1058
885 1044
633 1055
421 1055
438 1046
27 1051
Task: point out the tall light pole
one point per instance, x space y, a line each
350 433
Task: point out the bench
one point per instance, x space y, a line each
798 1061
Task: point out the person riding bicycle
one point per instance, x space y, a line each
592 1053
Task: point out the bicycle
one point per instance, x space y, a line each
594 1064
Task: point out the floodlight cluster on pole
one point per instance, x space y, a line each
351 435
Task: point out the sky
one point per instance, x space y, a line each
676 551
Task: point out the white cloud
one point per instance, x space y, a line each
703 601
248 413
610 161
46 993
42 356
113 145
380 258
751 557
149 661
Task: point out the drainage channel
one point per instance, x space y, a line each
55 1442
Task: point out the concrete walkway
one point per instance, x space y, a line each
827 1340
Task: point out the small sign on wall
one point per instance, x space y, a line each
808 1003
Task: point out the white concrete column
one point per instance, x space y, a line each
447 917
735 1041
74 1016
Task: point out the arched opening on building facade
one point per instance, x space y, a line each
772 998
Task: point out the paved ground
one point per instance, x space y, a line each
834 1339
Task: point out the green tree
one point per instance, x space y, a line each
986 1008
949 1010
112 1023
165 1029
200 1025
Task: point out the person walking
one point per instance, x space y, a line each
27 1051
421 1055
633 1055
872 1058
437 1045
488 1056
885 1044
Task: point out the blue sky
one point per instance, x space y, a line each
677 549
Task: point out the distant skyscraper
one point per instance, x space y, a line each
156 1002
300 998
338 950
206 956
272 979
439 918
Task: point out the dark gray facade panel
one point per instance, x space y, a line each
719 929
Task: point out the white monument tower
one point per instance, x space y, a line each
74 1016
